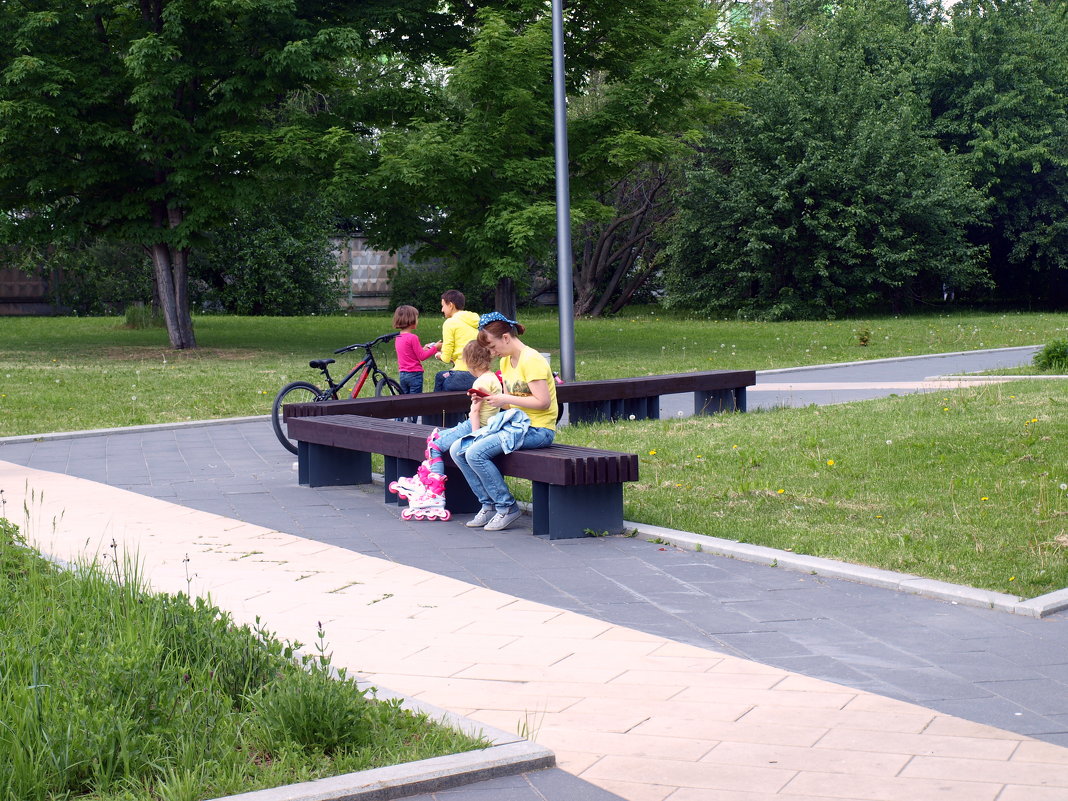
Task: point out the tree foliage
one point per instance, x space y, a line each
473 181
999 98
830 195
275 258
152 121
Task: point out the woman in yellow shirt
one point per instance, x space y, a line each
530 388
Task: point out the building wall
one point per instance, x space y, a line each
23 293
368 270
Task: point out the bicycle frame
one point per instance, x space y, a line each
367 366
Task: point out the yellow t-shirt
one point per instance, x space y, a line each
531 367
488 382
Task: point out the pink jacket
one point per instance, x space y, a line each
410 353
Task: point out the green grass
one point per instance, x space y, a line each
968 486
110 693
915 505
66 374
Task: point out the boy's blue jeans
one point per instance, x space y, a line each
411 382
476 463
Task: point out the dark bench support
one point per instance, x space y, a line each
324 466
720 400
561 511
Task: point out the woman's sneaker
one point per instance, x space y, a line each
502 520
483 517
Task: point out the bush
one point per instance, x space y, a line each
1053 358
273 259
421 285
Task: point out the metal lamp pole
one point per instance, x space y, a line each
564 279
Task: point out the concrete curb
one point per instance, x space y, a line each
426 776
100 432
1038 607
894 359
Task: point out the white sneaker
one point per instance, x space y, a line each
483 517
502 520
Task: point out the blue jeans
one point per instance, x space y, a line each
453 381
411 383
476 463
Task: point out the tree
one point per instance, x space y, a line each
999 98
275 258
830 195
473 181
151 121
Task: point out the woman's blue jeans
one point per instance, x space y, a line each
476 463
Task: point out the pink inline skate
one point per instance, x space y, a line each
428 504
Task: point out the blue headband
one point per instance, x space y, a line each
493 317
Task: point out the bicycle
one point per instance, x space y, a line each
307 392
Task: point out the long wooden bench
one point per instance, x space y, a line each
575 490
587 401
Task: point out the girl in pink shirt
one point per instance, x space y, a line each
410 353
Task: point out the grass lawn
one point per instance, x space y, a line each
68 374
113 693
968 486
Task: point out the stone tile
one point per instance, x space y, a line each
981 770
560 785
674 773
821 760
882 788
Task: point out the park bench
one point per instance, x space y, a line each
587 401
575 490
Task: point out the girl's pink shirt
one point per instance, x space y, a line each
411 354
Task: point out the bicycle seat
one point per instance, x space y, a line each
320 364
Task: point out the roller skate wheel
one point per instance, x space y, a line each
407 513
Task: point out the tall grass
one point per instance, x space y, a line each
111 692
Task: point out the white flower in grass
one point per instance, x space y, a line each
1064 486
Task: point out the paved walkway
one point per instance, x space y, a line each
653 673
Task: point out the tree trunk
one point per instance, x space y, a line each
170 270
504 299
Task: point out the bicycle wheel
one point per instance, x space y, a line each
387 386
297 392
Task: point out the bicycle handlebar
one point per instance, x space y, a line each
369 345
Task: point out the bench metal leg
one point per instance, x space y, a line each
719 400
324 466
458 496
569 512
396 467
620 409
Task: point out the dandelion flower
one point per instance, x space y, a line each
1064 486
734 447
652 453
889 442
984 498
780 491
830 462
